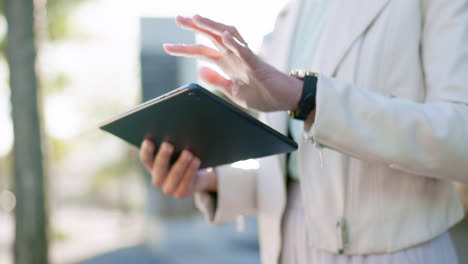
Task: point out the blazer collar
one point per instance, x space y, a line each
347 22
284 34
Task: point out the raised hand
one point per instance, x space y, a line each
251 82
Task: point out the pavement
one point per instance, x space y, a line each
193 243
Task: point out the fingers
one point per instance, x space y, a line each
216 27
239 49
187 183
214 78
211 29
226 38
189 24
161 164
147 154
194 51
177 172
178 180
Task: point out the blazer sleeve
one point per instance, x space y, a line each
428 139
236 195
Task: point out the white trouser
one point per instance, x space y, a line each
296 251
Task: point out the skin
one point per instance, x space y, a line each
251 83
180 180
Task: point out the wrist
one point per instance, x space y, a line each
306 103
210 180
296 86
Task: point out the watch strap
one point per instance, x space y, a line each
307 102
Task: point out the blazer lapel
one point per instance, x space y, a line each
283 35
279 57
348 21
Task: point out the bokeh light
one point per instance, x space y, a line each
7 201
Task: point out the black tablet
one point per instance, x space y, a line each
193 118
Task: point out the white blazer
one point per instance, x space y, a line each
391 123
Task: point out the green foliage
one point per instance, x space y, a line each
117 168
110 176
2 46
2 38
59 25
59 149
57 83
61 235
6 172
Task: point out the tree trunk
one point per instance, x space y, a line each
30 212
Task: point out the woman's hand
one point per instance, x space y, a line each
180 180
252 82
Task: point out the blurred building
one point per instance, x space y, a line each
161 73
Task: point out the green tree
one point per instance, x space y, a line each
30 213
23 36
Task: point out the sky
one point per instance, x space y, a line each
105 63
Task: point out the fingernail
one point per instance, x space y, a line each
170 148
150 146
167 147
187 155
144 144
197 162
198 19
147 145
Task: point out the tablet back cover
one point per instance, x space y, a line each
195 119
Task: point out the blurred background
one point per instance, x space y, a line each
79 193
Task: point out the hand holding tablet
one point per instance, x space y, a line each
193 118
180 180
